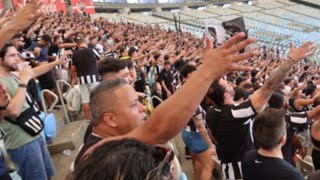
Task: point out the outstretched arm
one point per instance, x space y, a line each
173 114
261 96
25 17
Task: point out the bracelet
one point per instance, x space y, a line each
290 59
23 85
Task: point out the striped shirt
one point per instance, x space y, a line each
231 126
86 64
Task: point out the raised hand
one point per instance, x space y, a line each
65 58
27 15
26 74
223 59
297 54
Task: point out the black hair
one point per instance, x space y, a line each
217 93
276 100
287 81
4 50
240 92
111 65
179 64
309 89
46 38
126 159
186 69
131 51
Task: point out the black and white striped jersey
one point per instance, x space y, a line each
231 126
86 64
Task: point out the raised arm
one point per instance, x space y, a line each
314 113
261 96
173 114
24 18
39 70
16 103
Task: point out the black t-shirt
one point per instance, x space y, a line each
258 167
296 121
231 126
90 141
53 49
167 77
86 65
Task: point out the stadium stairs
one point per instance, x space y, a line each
317 6
69 135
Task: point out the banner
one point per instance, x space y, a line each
47 6
83 6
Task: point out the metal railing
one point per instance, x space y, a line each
60 84
44 103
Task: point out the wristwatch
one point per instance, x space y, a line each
23 85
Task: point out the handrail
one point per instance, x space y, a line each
63 82
43 101
155 97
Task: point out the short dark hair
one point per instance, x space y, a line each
287 81
131 51
156 56
166 62
179 64
309 89
276 100
239 80
122 156
110 65
46 38
217 93
268 128
240 92
56 37
102 98
166 57
4 50
17 36
186 69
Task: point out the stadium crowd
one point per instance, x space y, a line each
248 115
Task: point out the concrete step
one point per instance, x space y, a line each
60 120
69 137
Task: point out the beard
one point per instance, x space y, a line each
9 67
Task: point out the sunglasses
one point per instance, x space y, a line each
167 157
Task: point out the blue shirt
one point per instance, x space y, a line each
43 52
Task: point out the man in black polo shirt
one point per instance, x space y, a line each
231 124
269 132
84 64
166 79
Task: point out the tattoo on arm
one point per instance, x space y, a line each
198 121
276 78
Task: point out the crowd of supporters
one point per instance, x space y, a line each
247 115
